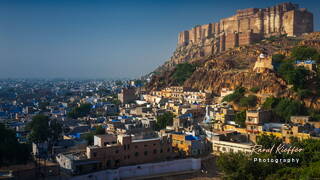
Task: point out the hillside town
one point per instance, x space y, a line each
109 125
233 92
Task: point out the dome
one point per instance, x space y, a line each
262 55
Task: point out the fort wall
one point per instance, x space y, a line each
250 25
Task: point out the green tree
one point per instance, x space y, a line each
55 130
250 101
270 103
89 137
11 151
304 52
236 95
240 118
164 120
267 141
288 107
81 111
39 129
99 130
278 58
183 72
255 89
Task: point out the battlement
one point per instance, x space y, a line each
250 25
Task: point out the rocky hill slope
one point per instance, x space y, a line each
234 68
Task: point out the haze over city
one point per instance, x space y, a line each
103 39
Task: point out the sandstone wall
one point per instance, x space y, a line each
250 25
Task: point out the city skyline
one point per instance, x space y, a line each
103 39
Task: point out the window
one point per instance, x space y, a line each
94 154
117 151
136 154
168 150
136 147
161 150
146 153
154 151
146 145
108 163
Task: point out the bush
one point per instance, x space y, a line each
183 72
80 111
295 76
235 96
240 118
250 101
304 53
164 120
304 93
255 89
278 58
284 107
270 103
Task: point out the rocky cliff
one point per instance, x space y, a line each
234 67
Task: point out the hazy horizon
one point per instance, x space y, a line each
82 39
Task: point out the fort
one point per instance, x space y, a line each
248 26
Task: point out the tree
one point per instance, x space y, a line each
236 95
270 103
164 120
255 89
89 138
100 130
267 141
11 151
81 111
250 101
304 52
288 107
55 130
182 72
39 129
278 58
240 118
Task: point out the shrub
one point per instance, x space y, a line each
255 89
183 72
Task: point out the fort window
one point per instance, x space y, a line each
108 163
117 162
146 153
136 154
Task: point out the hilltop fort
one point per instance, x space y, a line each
246 27
251 25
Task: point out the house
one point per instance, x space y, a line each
127 151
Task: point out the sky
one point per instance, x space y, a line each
104 38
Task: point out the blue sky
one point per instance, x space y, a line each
103 39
